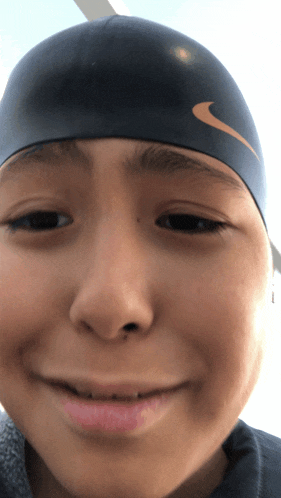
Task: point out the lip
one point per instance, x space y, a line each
113 417
120 389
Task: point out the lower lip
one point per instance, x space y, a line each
114 416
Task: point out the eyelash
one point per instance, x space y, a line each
214 226
15 225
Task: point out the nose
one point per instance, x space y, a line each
113 289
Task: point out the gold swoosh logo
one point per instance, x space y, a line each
202 112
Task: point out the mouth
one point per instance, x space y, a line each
112 413
112 408
134 397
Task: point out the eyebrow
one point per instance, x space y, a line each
40 155
167 162
155 159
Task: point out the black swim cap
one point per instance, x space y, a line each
122 76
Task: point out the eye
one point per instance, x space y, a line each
190 224
38 221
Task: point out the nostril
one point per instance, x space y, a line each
87 326
130 326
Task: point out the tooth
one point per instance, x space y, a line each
90 395
129 396
86 394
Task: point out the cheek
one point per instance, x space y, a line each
29 312
220 307
28 296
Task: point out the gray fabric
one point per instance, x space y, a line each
12 460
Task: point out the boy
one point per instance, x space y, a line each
136 271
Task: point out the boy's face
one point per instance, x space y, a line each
199 302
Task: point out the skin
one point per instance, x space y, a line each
200 303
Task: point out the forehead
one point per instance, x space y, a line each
137 157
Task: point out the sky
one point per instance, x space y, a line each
245 36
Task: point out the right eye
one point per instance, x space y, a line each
38 221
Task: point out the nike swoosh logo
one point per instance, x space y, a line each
202 112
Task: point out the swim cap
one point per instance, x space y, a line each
120 76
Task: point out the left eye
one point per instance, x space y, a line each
39 220
190 224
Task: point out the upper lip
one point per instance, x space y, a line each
121 389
